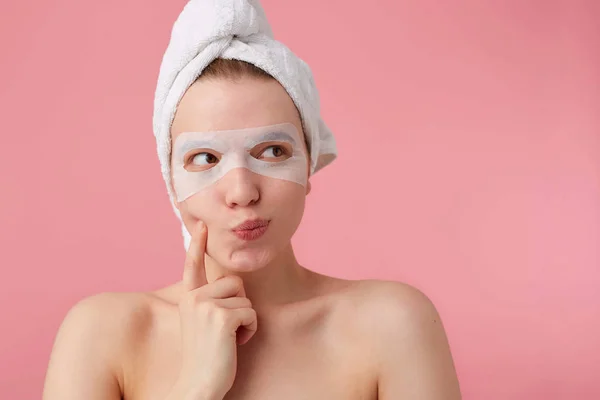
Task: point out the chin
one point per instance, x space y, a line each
249 259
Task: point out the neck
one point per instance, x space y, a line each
280 282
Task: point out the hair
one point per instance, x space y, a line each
231 69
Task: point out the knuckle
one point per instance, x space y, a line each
192 300
237 281
221 317
207 307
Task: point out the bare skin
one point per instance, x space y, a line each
318 337
300 351
329 346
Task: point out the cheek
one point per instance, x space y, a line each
201 205
285 197
294 195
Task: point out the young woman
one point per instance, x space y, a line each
247 321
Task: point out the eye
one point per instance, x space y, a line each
273 152
202 160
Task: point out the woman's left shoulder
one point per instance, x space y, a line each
401 337
394 305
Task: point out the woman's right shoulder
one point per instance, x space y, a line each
120 313
112 308
109 320
93 343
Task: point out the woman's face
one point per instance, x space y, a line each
225 193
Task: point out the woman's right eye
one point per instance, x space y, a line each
200 161
203 159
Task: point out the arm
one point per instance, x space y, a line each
84 362
414 354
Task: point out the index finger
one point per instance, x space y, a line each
194 271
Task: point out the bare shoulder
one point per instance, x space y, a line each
117 314
123 318
92 343
109 319
373 298
397 300
121 304
396 309
407 337
380 308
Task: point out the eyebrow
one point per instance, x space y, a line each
275 137
194 144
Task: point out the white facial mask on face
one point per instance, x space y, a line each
233 148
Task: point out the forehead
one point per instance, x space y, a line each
220 104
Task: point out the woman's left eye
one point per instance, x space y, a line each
273 152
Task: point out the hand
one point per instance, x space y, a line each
214 318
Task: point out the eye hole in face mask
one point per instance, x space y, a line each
201 160
272 152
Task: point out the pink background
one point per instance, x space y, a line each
469 138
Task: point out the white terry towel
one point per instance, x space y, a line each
232 29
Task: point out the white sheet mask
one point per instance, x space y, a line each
232 148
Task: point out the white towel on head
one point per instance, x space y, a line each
232 29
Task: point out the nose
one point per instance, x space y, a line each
240 188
